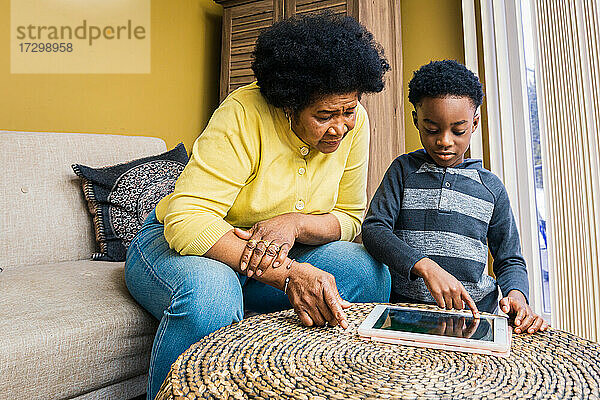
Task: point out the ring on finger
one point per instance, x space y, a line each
253 242
274 245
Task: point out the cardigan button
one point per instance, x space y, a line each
304 150
299 205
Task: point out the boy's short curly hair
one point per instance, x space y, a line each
444 78
302 58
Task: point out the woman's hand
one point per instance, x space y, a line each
525 320
269 242
447 291
313 294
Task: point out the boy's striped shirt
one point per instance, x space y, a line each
449 215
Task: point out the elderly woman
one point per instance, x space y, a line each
263 215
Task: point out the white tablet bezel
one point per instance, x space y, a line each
501 331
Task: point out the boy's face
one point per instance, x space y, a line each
445 126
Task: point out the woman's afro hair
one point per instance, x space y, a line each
299 59
442 79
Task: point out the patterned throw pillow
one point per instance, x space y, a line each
120 197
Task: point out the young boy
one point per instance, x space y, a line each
435 213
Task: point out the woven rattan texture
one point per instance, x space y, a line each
273 356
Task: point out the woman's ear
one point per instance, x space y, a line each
415 119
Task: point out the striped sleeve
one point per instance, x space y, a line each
504 244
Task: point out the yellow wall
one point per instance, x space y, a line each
431 30
173 102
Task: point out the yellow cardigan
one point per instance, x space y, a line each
248 166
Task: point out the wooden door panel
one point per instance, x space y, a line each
252 9
242 52
236 73
244 38
242 19
244 63
250 26
242 23
307 6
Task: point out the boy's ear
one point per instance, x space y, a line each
475 122
415 119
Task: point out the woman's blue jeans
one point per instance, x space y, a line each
193 296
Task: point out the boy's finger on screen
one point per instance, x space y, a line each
471 304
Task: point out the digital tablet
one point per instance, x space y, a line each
395 324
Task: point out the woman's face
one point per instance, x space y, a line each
324 123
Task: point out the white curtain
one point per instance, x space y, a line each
569 92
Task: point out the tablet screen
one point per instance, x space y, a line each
436 323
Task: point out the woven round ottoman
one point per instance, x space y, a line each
273 356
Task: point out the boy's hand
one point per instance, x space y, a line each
515 304
447 291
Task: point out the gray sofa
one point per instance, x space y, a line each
68 326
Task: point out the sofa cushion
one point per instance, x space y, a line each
43 214
121 196
69 328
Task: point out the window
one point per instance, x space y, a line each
536 147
